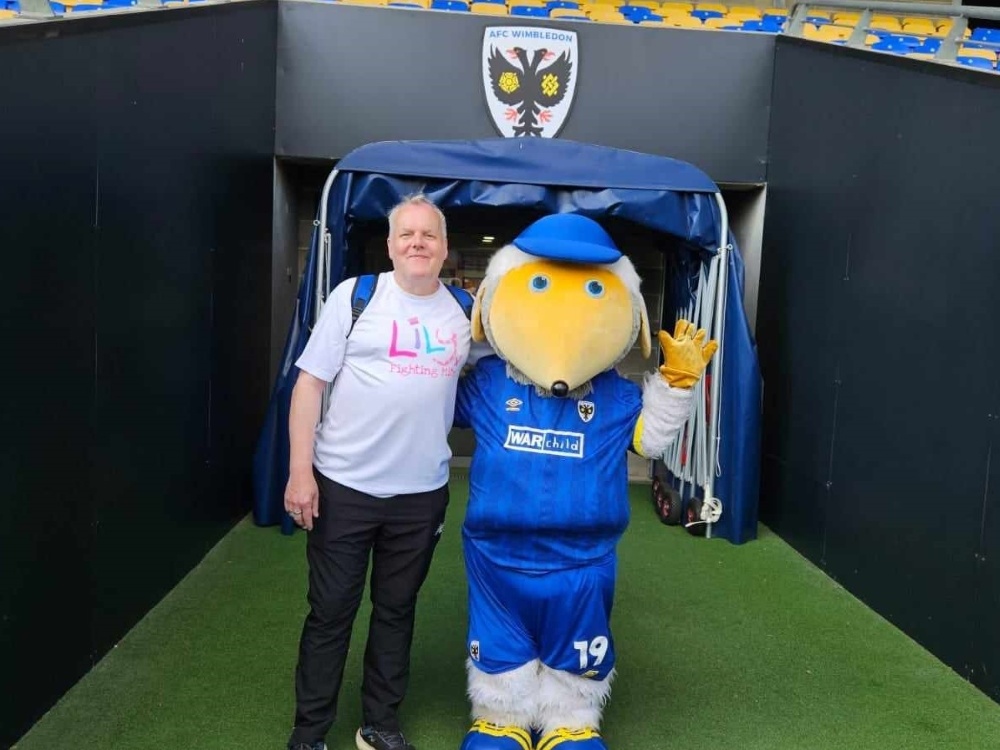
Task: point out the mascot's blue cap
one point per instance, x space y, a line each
568 237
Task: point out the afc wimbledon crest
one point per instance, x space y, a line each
529 75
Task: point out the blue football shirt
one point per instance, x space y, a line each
548 484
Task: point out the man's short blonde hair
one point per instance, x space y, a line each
417 199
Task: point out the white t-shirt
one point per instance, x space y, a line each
393 397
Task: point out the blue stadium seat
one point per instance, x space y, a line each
929 46
562 4
703 14
891 45
767 27
453 5
985 35
636 13
529 10
975 62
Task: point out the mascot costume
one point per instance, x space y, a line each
548 498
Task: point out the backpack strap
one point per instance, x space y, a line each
463 298
364 290
361 294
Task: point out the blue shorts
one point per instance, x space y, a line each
561 617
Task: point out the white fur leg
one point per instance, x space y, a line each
664 412
507 699
566 700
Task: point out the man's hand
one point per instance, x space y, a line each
685 354
302 499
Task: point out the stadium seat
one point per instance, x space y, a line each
534 11
827 33
971 51
488 9
985 35
922 26
929 46
569 13
975 62
683 22
458 6
893 45
764 27
702 13
636 13
884 23
666 8
363 2
5 14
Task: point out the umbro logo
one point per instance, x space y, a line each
514 404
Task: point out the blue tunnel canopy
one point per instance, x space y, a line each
547 175
543 176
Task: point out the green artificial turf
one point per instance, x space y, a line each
719 646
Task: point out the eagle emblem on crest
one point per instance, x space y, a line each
586 410
529 75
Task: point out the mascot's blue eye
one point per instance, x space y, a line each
539 283
595 288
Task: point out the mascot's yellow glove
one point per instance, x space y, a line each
685 354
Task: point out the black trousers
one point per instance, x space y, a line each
399 534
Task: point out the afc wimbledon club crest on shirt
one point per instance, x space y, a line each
529 75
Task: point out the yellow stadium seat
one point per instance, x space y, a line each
920 56
607 16
672 6
920 28
718 23
846 18
884 24
651 4
683 22
567 13
489 9
985 54
720 7
363 2
825 33
410 3
7 14
739 17
744 9
529 3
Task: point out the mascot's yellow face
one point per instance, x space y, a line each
560 321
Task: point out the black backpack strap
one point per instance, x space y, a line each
361 294
463 298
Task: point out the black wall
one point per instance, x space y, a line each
135 189
348 75
879 337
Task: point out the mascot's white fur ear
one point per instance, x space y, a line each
478 331
644 338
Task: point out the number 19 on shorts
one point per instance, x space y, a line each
597 648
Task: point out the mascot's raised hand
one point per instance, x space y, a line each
548 485
685 354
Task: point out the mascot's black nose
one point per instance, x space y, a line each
559 389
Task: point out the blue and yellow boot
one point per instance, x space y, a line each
571 739
485 736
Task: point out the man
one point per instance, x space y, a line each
373 478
